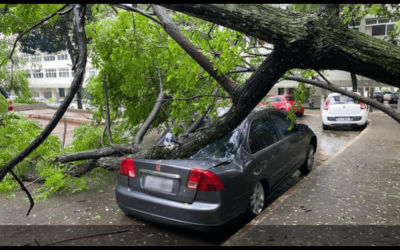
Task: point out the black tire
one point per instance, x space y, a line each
301 114
257 200
362 127
308 164
283 111
325 127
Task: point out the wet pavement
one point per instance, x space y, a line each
97 206
357 192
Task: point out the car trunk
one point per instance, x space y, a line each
167 178
344 109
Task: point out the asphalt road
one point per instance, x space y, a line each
98 206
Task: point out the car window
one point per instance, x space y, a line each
281 123
289 98
271 100
342 99
263 133
278 99
224 149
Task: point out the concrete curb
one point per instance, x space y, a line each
68 119
73 110
24 107
290 192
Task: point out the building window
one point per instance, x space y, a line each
62 57
48 58
291 91
36 58
355 25
28 72
63 73
380 27
92 72
62 92
51 73
26 58
37 74
281 91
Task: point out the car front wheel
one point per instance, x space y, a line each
257 200
308 164
283 111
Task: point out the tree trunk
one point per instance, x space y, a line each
354 81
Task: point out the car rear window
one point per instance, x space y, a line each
3 92
224 149
342 99
289 98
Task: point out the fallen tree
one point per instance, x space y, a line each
315 41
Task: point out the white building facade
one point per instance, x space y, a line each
50 75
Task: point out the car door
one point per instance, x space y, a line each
267 150
295 141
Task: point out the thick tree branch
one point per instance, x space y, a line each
172 30
193 97
76 83
152 116
25 190
353 95
148 15
316 41
107 111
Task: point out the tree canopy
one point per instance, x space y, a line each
167 64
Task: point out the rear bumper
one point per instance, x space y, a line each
198 216
363 114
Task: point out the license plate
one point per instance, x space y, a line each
343 119
158 183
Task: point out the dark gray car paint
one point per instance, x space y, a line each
193 208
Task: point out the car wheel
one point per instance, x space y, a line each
325 127
257 200
301 114
308 164
362 127
283 111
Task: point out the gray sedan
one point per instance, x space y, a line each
221 182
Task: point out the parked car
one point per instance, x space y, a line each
41 99
73 105
284 103
10 105
378 95
221 182
386 94
393 99
12 97
343 110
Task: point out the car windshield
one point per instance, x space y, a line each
342 99
395 95
224 149
289 98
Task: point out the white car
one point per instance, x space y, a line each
343 110
386 94
41 99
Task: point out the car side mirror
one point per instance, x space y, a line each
302 127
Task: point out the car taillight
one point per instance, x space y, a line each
380 96
204 180
326 106
124 107
363 106
10 106
127 168
389 99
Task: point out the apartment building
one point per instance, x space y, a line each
50 75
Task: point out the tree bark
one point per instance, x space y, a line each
354 81
318 42
108 125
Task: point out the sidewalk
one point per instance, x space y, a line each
345 201
70 116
